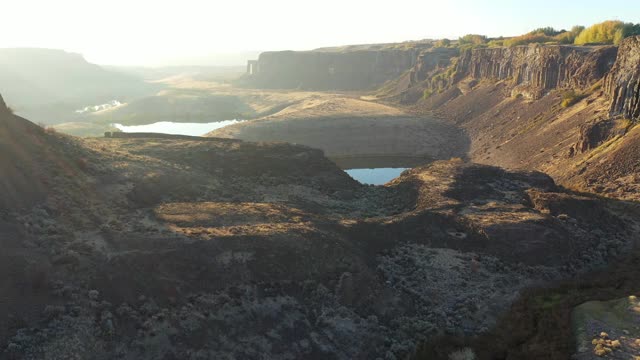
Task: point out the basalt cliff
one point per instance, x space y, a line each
534 70
622 83
329 70
539 68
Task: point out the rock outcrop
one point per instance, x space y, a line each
622 83
4 110
3 105
432 60
320 70
594 133
534 69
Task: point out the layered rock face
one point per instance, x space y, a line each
320 70
432 60
622 83
537 68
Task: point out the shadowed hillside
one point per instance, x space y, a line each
151 247
49 85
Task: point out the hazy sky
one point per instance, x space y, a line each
157 32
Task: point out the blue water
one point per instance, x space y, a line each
176 128
376 176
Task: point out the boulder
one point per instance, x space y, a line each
595 133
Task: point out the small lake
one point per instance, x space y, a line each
176 128
378 170
377 176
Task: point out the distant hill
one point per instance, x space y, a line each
34 79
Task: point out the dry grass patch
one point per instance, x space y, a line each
211 219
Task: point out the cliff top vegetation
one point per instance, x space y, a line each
604 33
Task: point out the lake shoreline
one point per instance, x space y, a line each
177 128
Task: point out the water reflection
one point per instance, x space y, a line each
376 169
378 176
177 128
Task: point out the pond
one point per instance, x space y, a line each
376 176
378 169
177 128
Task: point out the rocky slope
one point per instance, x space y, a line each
586 144
196 248
4 110
571 113
30 161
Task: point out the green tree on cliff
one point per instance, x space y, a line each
548 31
473 39
568 37
607 32
546 35
443 43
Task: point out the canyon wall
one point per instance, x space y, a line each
529 70
532 70
622 83
320 70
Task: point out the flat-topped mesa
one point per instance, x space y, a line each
622 83
533 70
329 70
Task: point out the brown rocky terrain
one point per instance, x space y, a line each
576 121
148 247
510 103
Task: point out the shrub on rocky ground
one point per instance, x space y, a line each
570 98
